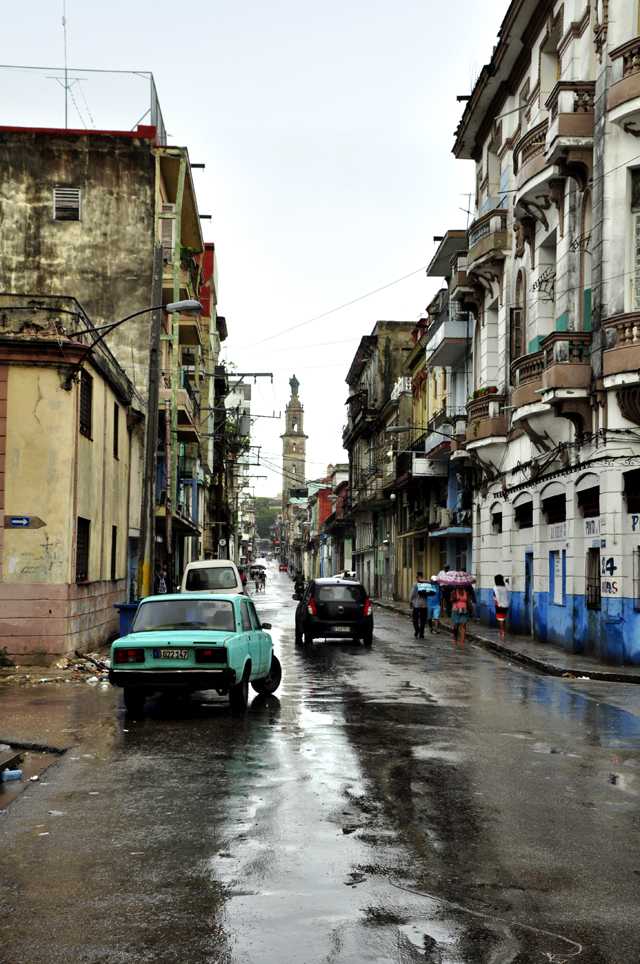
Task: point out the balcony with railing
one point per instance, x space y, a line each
528 153
624 92
622 345
360 413
571 118
526 378
188 408
486 419
488 237
566 360
449 336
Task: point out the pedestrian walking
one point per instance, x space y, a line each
418 600
459 597
256 580
263 581
446 591
434 602
501 599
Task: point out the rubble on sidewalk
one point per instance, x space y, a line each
78 667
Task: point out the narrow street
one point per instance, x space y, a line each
406 803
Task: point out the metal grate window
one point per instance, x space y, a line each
116 426
593 579
114 551
82 550
86 402
67 204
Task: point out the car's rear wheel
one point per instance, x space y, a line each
134 699
269 683
308 638
298 637
239 695
368 639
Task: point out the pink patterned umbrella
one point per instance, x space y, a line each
455 577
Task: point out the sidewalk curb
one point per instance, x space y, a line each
504 652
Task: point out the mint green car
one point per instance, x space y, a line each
183 643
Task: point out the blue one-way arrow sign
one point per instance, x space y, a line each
23 522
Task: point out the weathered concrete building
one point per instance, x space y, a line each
551 275
379 398
110 219
65 477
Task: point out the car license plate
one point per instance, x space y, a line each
341 629
171 654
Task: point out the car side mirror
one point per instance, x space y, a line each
296 595
266 625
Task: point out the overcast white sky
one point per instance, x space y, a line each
326 130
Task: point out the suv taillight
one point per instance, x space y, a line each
367 608
311 608
128 656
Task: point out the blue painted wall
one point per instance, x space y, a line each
611 635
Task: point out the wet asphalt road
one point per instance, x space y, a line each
409 803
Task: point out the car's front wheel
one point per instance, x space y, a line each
134 699
269 683
239 695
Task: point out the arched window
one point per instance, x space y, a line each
293 469
586 223
294 426
294 446
518 319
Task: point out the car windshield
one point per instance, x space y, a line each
160 614
218 577
340 594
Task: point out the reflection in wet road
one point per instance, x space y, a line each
408 803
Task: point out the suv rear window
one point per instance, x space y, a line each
219 577
340 594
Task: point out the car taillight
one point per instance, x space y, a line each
311 608
367 608
128 656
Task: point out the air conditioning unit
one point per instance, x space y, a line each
168 232
444 518
433 514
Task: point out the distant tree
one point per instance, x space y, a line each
264 516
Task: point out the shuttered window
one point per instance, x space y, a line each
82 550
67 204
524 515
114 551
86 402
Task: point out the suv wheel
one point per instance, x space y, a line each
308 638
298 637
368 639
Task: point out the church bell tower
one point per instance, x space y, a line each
293 444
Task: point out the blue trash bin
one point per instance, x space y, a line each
126 612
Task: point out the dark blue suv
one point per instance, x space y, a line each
334 609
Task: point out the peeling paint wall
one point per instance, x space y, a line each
106 259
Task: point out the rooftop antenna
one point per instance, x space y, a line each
66 80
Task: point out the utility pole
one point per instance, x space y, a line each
147 545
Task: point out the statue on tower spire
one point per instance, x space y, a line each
295 385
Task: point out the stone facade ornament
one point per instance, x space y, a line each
601 26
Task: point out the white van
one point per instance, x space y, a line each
212 575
